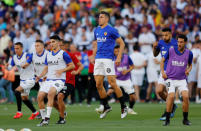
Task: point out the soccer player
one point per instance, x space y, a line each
178 67
37 58
26 81
198 92
162 46
105 37
69 83
123 78
57 63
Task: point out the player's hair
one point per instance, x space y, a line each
166 30
116 47
182 37
19 43
66 42
55 37
40 41
136 47
105 13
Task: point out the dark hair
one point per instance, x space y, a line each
166 30
182 37
117 47
105 13
136 47
19 43
40 41
55 37
66 42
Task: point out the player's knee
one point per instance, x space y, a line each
99 85
39 98
60 97
17 92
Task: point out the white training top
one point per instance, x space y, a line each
18 61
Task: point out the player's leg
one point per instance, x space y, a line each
157 95
149 89
61 107
161 91
183 89
119 94
18 91
41 104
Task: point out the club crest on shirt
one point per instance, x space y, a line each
105 33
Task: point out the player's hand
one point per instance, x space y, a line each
58 73
37 78
44 78
118 61
23 66
155 44
164 75
187 72
74 72
124 72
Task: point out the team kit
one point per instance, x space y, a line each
53 70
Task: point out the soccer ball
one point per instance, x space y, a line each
25 129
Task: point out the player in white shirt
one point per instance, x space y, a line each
38 60
198 91
26 81
153 68
137 74
192 75
57 63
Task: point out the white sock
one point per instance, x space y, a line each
49 110
197 98
43 113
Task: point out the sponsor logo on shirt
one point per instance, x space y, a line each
101 39
105 33
163 53
177 63
53 62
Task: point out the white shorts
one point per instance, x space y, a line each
43 87
152 75
57 84
126 85
172 85
137 79
104 67
161 80
199 81
27 85
192 76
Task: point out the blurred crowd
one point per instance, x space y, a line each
139 22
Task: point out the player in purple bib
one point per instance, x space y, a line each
123 78
178 67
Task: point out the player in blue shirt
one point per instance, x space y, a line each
106 37
162 46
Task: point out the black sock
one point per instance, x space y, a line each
19 100
46 118
185 115
131 104
167 116
29 105
105 102
173 108
122 102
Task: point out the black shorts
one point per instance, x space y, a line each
67 90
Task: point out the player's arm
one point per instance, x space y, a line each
190 60
156 50
121 49
80 67
94 52
28 62
162 63
44 72
131 67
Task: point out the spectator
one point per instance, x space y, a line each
4 41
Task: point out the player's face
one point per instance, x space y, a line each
116 51
54 44
39 47
18 50
181 43
61 45
166 36
102 19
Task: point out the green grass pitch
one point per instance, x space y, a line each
83 118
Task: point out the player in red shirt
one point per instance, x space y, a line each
69 84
